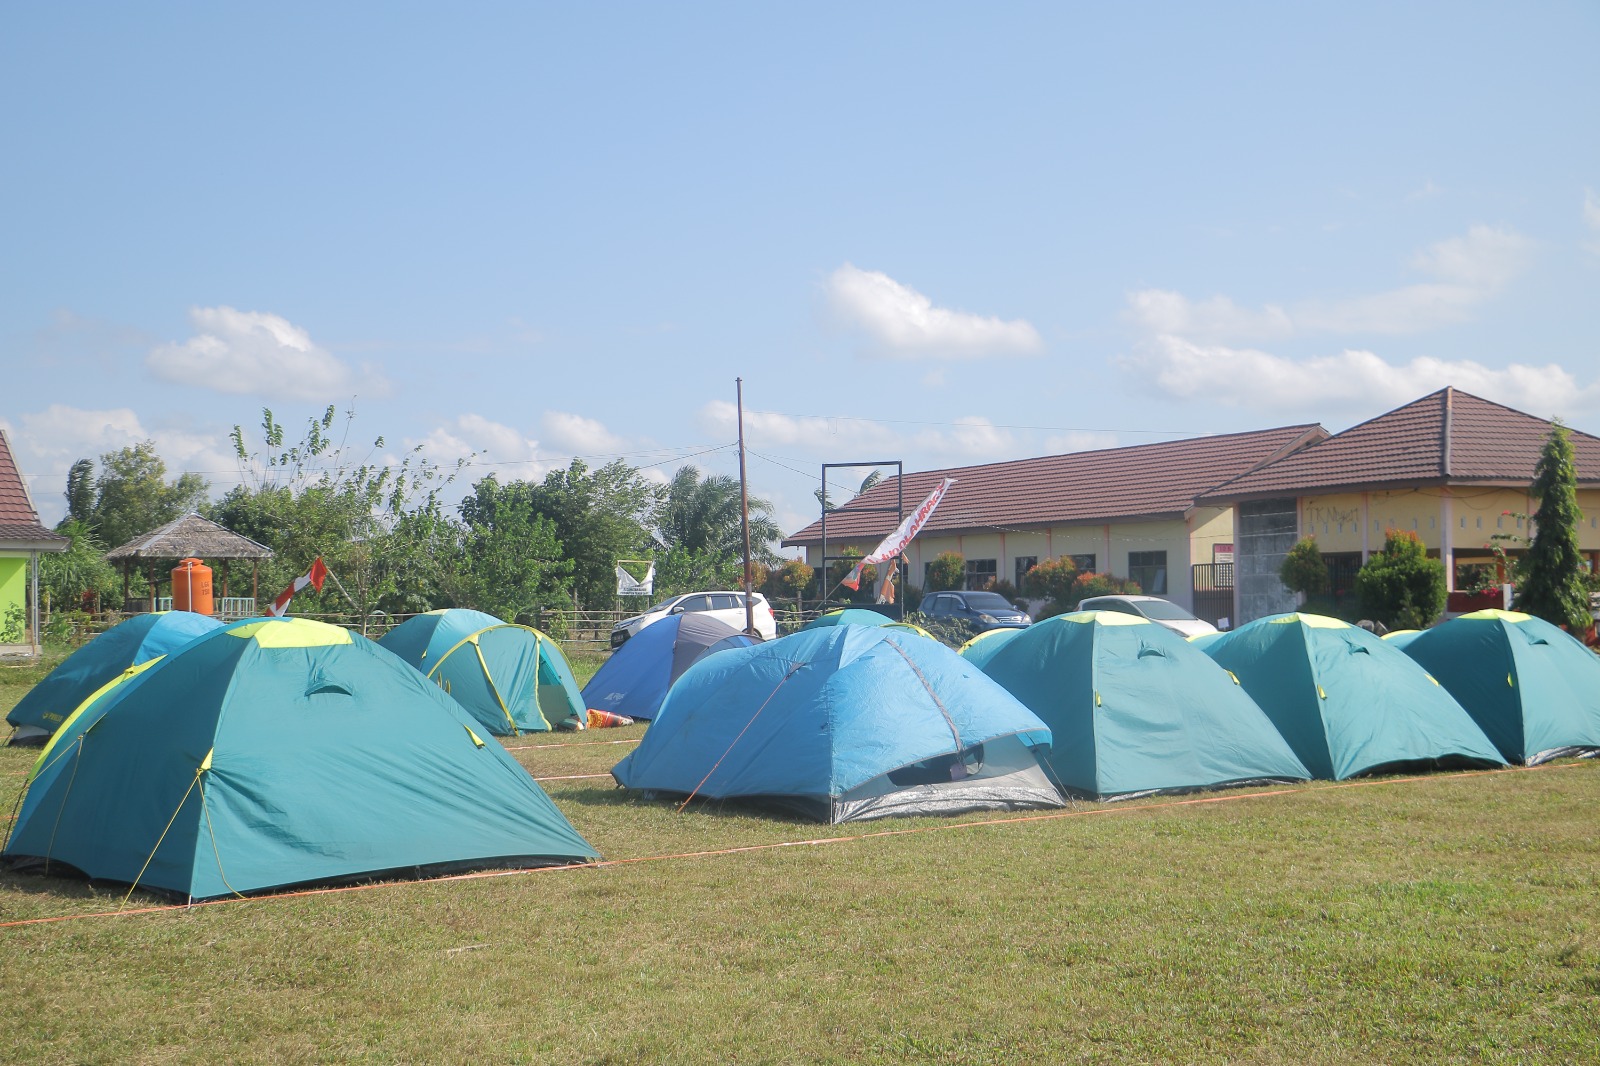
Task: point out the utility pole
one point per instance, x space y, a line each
744 517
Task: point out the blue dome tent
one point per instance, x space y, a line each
843 723
138 640
635 679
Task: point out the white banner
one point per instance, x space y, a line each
628 585
904 533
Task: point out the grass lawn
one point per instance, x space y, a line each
1454 918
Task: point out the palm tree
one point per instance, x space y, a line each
701 515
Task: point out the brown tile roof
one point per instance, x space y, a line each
19 522
190 536
1447 436
1144 481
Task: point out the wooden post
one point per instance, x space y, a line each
153 589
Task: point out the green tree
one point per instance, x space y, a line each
600 516
512 562
377 524
1304 570
1400 586
947 571
1554 586
701 516
788 580
79 573
133 495
80 493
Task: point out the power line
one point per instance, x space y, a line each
999 425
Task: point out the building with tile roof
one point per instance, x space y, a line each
1131 511
22 538
1451 467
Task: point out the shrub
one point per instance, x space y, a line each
1051 580
1400 586
947 571
952 632
1304 570
1554 586
1089 585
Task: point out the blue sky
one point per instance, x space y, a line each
940 233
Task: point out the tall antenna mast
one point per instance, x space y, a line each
744 517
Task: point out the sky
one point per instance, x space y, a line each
936 233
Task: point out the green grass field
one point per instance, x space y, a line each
1454 918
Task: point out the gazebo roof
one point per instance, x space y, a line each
190 537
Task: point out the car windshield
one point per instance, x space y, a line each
988 601
1164 611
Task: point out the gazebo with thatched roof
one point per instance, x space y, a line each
188 537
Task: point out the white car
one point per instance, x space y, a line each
724 606
1160 611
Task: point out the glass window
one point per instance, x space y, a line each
694 603
988 601
981 573
1149 570
1024 564
1083 563
725 601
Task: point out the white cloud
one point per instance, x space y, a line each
580 435
1349 381
903 322
1468 271
256 353
1591 218
48 442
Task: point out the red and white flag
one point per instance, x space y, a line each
314 577
904 533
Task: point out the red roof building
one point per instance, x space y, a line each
1129 511
1451 467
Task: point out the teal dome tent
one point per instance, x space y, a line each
847 616
843 723
131 643
1532 688
513 679
278 752
1135 709
1349 702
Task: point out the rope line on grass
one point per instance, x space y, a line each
1050 816
585 744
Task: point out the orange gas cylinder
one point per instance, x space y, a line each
191 587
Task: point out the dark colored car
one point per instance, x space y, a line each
980 610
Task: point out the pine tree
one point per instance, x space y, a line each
1554 587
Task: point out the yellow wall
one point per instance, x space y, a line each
1475 515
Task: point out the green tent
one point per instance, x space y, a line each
1347 702
1134 709
513 679
981 648
1534 689
276 752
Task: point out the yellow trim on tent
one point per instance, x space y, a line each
291 633
126 675
1315 621
1233 675
1106 618
923 632
1321 694
981 636
205 764
477 741
1513 617
494 688
1400 633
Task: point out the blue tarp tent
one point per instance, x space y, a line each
1532 688
636 678
276 752
1349 702
511 678
1135 708
848 616
840 724
138 640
